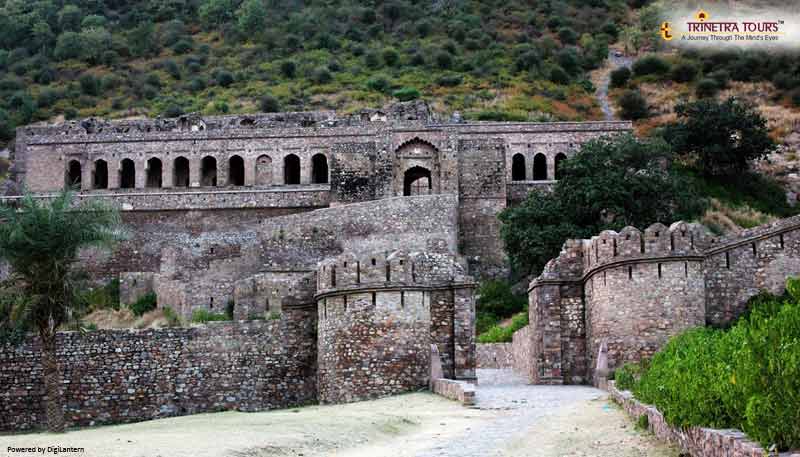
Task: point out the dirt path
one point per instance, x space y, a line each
512 419
602 79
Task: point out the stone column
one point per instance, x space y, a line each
86 175
141 173
551 166
194 171
249 170
167 175
113 173
222 171
305 169
464 333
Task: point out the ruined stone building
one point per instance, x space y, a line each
346 246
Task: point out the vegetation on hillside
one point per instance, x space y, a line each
496 303
699 162
747 377
489 59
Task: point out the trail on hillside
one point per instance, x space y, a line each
603 81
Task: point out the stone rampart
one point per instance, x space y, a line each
494 355
113 376
635 289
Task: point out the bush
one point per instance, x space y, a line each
450 80
322 76
633 106
567 36
144 304
620 77
650 65
89 84
558 75
173 320
627 376
706 88
405 94
201 316
746 377
496 297
288 68
390 57
498 334
379 83
269 104
443 59
684 72
223 78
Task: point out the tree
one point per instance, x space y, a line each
609 184
252 16
722 138
40 240
633 106
620 77
215 13
69 18
69 46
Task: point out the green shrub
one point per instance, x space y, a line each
406 93
498 334
201 316
379 83
633 105
558 75
173 320
642 423
229 309
706 87
620 77
443 59
269 104
450 80
747 377
567 35
144 304
288 68
390 57
684 72
650 65
627 376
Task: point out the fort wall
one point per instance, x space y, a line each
378 316
635 289
113 376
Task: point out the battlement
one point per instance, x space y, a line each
398 269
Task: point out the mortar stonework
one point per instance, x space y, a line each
633 290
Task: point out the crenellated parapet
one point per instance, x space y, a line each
384 310
630 291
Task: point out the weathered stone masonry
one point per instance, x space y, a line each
633 290
113 376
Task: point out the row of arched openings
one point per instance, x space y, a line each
154 170
519 168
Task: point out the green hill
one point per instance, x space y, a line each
119 58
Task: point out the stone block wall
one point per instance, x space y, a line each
113 376
635 289
379 315
522 352
494 355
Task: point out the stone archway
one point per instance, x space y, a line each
417 181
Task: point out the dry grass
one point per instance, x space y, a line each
124 318
723 219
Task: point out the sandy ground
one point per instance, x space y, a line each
509 421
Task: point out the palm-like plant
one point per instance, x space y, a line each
41 239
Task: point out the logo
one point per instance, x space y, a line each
666 31
701 16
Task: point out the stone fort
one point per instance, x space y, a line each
348 246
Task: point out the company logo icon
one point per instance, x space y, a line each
666 31
701 16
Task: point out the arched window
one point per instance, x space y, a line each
127 174
73 178
154 169
236 171
208 172
417 181
539 167
100 177
264 171
291 169
560 157
319 169
518 167
180 172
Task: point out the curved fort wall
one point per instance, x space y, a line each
378 316
632 290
